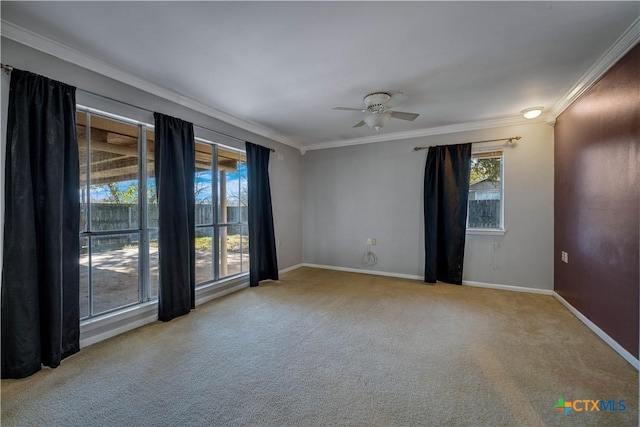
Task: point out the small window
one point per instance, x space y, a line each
485 207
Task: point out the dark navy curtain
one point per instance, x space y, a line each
174 171
40 276
263 261
446 193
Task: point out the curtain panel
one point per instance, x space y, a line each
174 173
40 277
446 193
263 260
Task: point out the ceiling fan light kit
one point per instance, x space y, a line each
378 109
377 120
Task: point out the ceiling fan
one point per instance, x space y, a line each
378 107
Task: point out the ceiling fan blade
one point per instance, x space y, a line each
359 124
396 98
404 116
349 109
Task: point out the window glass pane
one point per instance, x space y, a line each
204 254
231 242
485 193
114 271
228 186
203 187
114 174
84 277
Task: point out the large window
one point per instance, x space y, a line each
119 213
486 192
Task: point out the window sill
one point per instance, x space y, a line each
486 232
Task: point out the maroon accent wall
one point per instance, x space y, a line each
597 203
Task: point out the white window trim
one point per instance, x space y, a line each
486 231
492 231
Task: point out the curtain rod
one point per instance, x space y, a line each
511 141
8 68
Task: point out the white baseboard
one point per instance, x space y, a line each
288 269
363 271
414 277
599 332
508 287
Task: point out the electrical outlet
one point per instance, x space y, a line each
368 241
373 242
565 257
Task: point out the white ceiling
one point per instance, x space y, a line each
284 65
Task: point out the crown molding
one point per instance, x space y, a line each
440 130
619 48
39 42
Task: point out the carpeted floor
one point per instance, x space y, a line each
330 348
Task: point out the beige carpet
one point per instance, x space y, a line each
331 348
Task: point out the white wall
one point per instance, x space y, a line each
285 165
375 190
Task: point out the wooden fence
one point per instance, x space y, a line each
116 217
111 216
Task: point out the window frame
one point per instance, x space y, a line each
490 153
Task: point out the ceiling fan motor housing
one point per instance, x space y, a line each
374 101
